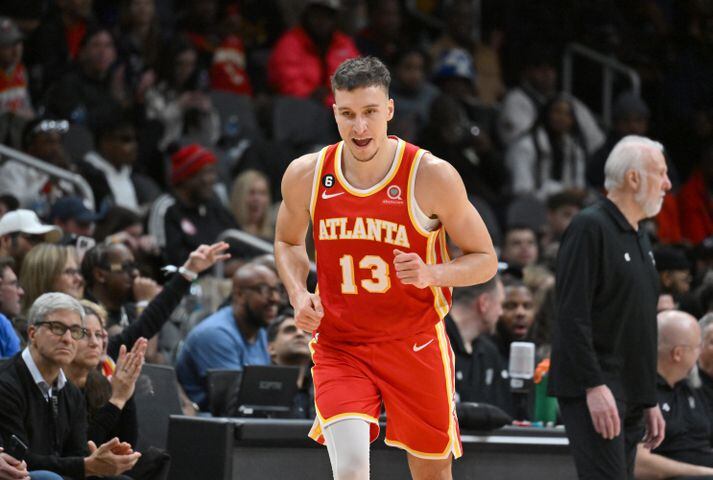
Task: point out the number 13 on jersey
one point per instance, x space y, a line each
379 281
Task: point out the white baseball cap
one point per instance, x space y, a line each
26 221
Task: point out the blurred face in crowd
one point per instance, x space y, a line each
10 294
677 281
79 8
91 348
76 227
200 186
705 361
257 290
120 146
258 199
55 349
411 71
18 244
632 124
386 19
184 66
99 53
290 346
460 22
47 146
560 117
560 218
492 308
320 23
362 115
10 55
520 247
654 184
142 11
543 78
119 272
518 311
70 281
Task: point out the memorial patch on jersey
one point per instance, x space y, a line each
359 228
328 180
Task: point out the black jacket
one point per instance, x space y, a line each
57 443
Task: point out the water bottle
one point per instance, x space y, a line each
545 406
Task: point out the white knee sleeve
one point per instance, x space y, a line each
348 447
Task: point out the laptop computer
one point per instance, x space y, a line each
267 389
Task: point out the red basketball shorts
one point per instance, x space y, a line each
413 377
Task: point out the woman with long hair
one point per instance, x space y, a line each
50 268
250 202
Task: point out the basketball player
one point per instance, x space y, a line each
380 209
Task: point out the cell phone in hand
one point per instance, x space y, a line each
16 448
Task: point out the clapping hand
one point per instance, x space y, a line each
128 369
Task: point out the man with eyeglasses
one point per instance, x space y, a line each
45 411
20 230
10 295
687 449
235 335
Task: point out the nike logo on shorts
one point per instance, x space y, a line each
327 196
418 348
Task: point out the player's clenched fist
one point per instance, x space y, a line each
411 269
308 311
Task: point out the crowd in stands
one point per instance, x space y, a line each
181 117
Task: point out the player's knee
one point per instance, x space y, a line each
352 466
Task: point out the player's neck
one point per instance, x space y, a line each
367 174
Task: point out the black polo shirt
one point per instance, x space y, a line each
481 376
689 424
607 290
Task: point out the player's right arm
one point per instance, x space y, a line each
290 251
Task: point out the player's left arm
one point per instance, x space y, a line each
440 193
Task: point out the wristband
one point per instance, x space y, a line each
189 274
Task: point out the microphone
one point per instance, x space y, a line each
521 369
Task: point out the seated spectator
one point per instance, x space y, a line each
538 86
50 268
469 324
110 402
552 155
695 201
383 36
10 296
234 336
674 272
20 230
110 169
193 215
460 32
179 102
113 281
14 94
561 208
57 436
520 247
92 91
228 70
41 139
304 59
515 323
412 92
250 201
73 217
686 448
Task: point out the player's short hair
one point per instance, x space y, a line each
361 72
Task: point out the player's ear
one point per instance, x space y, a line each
390 109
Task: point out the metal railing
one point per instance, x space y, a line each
55 172
610 66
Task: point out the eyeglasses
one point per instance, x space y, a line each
99 335
59 329
126 267
267 290
72 272
31 239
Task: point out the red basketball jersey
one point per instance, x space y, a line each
355 232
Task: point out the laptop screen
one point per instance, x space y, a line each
268 388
